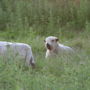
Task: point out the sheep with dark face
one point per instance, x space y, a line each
23 50
54 48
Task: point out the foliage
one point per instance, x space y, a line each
30 21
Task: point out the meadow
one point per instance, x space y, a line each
31 21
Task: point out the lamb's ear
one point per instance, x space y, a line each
44 40
57 39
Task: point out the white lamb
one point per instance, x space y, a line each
21 49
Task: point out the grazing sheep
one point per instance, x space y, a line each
54 48
21 49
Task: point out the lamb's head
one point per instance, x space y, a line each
51 42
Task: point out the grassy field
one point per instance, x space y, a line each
31 22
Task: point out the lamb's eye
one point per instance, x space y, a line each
52 40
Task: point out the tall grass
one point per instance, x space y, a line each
30 21
64 73
43 15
